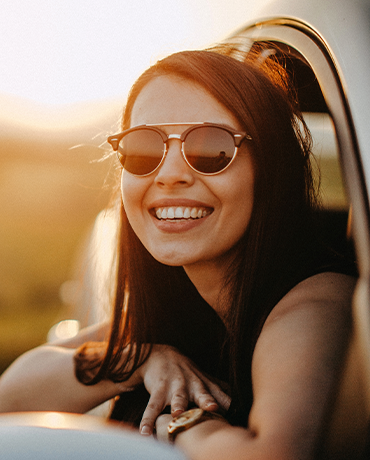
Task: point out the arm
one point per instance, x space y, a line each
295 365
94 333
44 379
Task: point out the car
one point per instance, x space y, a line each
61 436
324 45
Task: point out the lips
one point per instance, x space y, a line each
181 213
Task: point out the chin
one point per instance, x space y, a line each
173 258
173 261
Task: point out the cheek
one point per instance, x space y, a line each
241 201
239 193
132 191
242 210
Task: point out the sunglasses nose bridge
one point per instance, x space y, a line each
178 137
173 136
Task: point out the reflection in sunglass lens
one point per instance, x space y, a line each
209 149
141 151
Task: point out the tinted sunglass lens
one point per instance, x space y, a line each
141 151
209 149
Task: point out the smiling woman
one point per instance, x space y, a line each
239 309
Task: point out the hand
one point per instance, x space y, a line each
173 379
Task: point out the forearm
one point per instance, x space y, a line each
44 379
217 440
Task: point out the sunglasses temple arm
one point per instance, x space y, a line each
238 138
114 142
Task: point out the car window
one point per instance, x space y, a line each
326 162
326 159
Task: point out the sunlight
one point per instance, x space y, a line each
65 329
70 51
78 50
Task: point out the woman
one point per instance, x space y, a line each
224 292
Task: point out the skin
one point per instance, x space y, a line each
298 354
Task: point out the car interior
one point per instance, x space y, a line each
334 218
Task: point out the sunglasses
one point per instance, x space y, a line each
207 148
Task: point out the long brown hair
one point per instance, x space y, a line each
279 237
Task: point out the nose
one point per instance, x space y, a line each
174 171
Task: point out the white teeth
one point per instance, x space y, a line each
181 212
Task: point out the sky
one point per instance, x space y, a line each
57 52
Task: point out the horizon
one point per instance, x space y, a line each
23 113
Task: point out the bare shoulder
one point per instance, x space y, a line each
298 356
314 317
319 294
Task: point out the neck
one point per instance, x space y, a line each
209 280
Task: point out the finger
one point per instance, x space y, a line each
179 402
207 393
222 398
179 394
155 406
202 397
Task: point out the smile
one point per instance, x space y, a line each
181 212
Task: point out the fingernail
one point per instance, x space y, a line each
211 404
145 431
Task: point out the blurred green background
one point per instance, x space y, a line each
52 186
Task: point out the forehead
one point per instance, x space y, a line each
169 99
